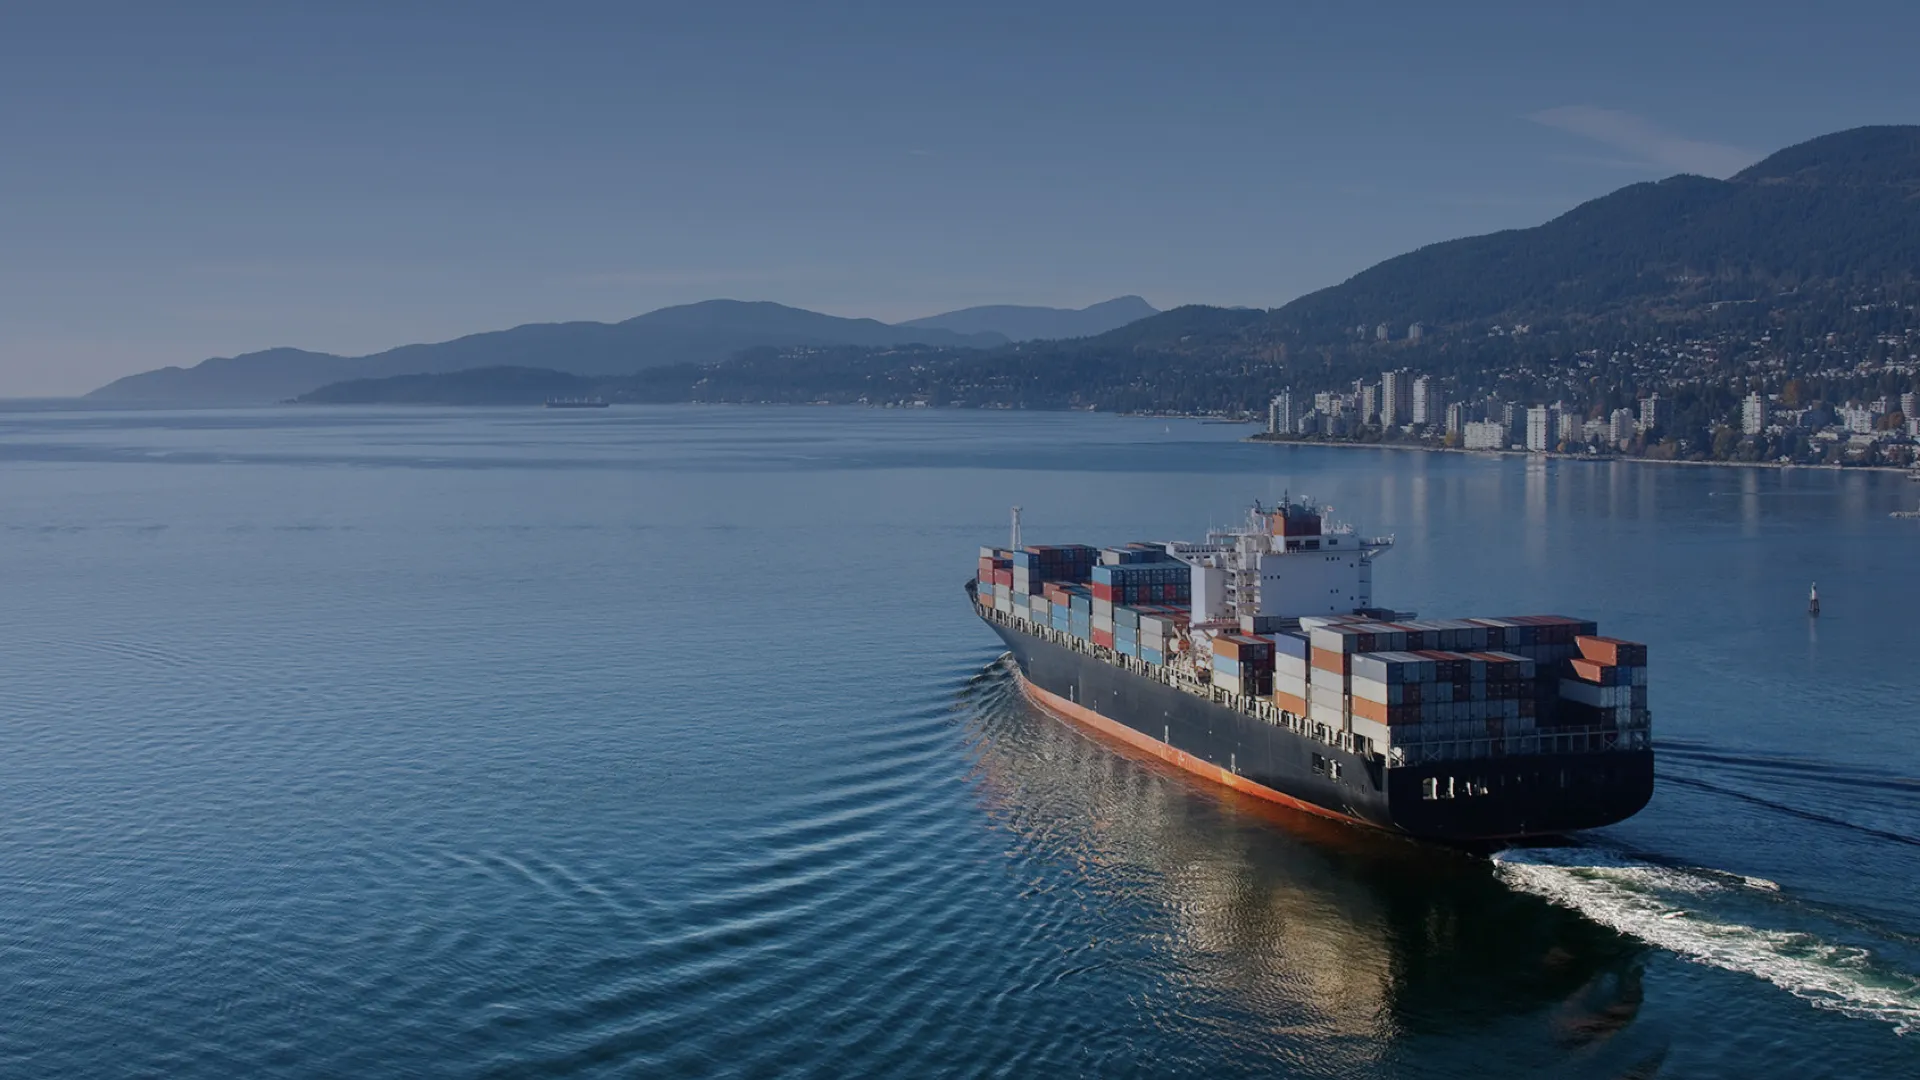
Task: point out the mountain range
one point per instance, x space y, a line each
1839 212
700 333
1799 239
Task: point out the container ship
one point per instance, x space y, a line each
1258 660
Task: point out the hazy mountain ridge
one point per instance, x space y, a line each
706 332
1018 322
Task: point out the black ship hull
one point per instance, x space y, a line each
1513 797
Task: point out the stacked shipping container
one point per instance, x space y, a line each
1605 686
1441 681
1395 683
1243 664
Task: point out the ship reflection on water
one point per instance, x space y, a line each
1320 937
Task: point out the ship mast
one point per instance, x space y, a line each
1014 542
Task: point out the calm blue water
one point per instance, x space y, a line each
661 742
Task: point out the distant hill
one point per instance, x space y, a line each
691 333
1019 323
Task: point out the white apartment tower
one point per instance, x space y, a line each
1396 398
1620 427
1429 403
1539 429
1280 416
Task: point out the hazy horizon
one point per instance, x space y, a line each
211 180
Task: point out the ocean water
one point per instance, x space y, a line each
661 742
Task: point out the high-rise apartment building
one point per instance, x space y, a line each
1396 398
1656 413
1566 426
1539 428
1620 428
1280 418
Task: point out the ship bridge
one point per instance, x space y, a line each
1285 562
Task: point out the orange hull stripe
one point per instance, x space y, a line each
1086 717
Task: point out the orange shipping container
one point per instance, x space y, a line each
1588 671
1327 660
1294 705
1612 651
1370 710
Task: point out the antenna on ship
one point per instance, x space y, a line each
1015 545
1813 600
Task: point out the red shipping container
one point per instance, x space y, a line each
1103 637
1102 591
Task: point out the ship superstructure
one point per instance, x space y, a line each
1259 659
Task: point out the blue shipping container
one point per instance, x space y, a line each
1294 645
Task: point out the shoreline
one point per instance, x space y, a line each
1902 470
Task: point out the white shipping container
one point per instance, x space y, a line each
1290 665
1003 605
1332 716
1378 692
1373 729
1329 696
1328 640
1291 685
1323 677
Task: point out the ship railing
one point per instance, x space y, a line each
1587 740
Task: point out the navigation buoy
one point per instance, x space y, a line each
1813 600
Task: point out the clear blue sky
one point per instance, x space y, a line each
186 180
